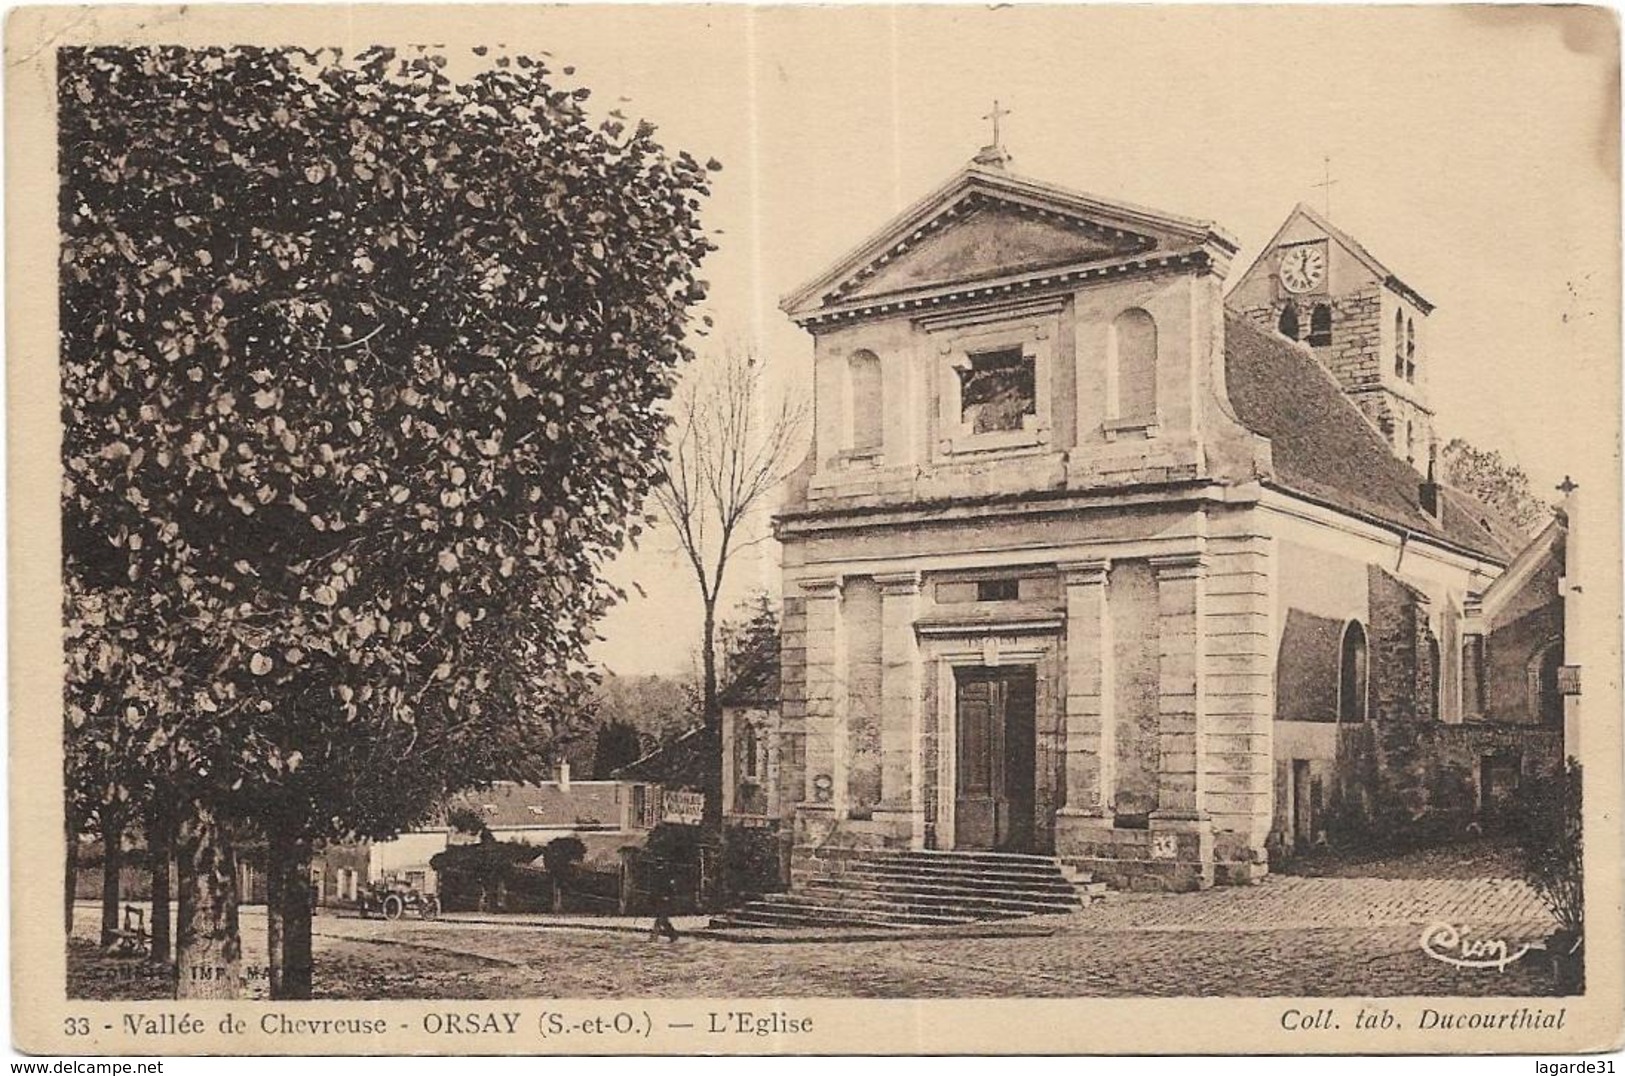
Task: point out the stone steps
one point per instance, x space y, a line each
933 892
974 906
911 889
976 879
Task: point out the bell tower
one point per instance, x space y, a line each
1316 284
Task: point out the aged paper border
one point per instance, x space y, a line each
1086 1025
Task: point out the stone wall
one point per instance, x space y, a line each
1511 651
1402 678
1403 783
1306 667
1357 358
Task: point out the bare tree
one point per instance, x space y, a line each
732 443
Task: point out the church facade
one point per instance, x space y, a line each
1090 562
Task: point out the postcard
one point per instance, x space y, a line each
809 530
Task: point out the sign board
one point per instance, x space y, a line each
682 807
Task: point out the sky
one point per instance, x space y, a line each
1474 151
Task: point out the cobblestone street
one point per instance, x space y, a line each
1289 936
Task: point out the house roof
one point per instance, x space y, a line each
1050 232
1551 541
1461 509
1324 449
510 805
1350 244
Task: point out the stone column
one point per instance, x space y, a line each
902 801
825 796
1090 735
1181 831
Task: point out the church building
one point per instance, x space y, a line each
1089 562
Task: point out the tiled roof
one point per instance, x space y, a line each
1323 447
508 804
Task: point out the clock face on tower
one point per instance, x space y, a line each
1303 268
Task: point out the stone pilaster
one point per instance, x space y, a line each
1090 732
1181 831
902 801
825 795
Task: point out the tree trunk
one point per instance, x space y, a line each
712 890
71 870
112 855
160 842
288 905
273 914
711 816
209 950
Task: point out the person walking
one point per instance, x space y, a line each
661 895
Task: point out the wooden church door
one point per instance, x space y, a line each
996 753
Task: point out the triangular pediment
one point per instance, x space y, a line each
1305 225
986 225
993 240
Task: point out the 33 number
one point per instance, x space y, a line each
74 1026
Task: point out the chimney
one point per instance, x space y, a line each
1428 492
564 777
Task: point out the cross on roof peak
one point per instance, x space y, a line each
1326 186
994 154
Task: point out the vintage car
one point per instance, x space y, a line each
395 899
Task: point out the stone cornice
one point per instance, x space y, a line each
822 586
1014 504
1037 625
899 584
1013 286
1187 564
1084 572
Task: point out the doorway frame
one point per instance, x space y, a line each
988 651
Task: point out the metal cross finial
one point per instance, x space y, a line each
995 116
1326 185
1568 486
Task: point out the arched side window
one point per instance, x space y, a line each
1410 350
1399 343
1320 325
1548 696
1352 674
868 404
1133 356
1288 324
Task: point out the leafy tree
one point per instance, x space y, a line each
659 707
361 379
750 646
1552 839
1496 481
486 867
561 856
732 447
619 744
466 819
